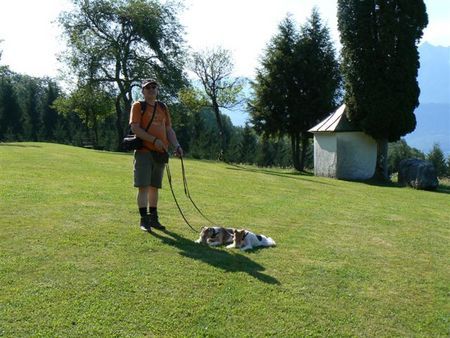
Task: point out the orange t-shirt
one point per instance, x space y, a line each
161 123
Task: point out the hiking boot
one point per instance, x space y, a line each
145 224
154 222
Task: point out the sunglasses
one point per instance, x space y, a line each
152 86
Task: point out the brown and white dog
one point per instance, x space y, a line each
215 236
246 240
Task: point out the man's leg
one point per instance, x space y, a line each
142 202
142 197
153 208
152 197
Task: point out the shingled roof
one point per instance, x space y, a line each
336 122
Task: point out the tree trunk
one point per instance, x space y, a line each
95 132
295 144
304 148
119 127
381 170
221 133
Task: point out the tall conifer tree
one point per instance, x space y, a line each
380 63
297 84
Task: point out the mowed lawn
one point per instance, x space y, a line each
352 259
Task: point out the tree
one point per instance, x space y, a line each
318 74
116 43
266 154
90 103
447 173
30 92
248 146
49 113
214 69
185 113
269 110
297 84
436 156
398 151
379 64
10 112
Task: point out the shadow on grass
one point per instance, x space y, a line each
19 145
442 188
295 175
376 182
230 262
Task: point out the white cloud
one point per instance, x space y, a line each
437 33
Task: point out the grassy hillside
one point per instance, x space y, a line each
352 259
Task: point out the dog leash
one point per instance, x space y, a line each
169 178
186 192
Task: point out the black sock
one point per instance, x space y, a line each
153 210
143 212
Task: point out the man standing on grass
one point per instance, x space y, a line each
149 162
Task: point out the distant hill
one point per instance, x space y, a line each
433 113
433 126
434 74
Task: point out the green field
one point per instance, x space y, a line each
352 259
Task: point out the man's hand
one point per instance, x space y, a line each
179 151
160 145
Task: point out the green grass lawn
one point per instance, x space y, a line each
352 259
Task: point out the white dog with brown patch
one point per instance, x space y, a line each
246 240
215 236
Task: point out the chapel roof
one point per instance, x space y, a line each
335 122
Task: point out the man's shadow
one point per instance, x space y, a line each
230 262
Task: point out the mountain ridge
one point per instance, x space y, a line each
433 112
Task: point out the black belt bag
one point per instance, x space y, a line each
131 142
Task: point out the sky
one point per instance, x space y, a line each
32 38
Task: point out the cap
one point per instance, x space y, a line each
149 81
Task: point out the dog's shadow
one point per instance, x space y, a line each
225 260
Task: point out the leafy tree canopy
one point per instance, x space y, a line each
117 43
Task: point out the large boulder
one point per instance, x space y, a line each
419 174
